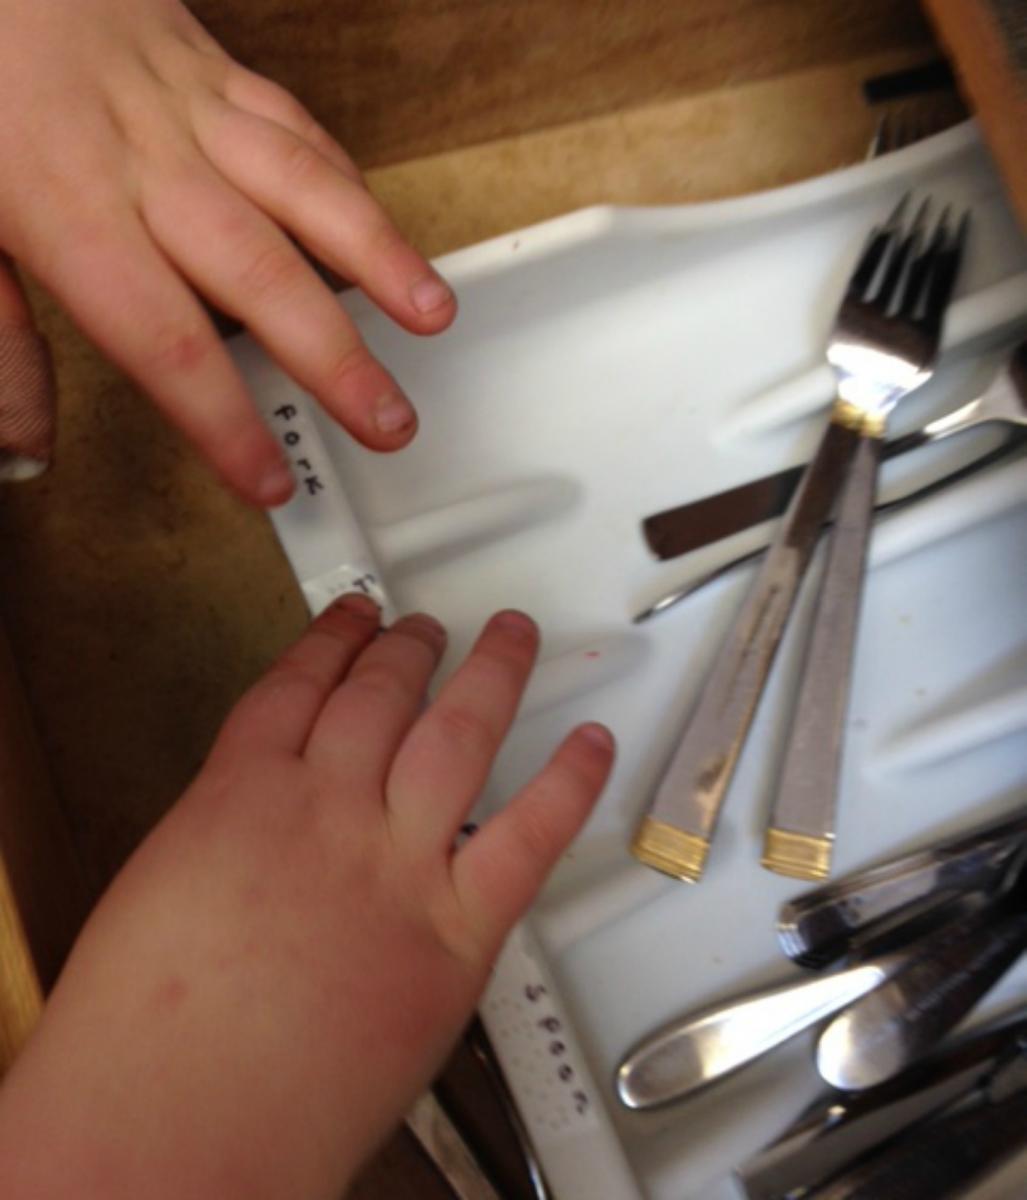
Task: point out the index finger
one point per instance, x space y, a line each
129 300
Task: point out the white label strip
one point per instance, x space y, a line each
320 531
555 1093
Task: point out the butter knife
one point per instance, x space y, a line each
686 527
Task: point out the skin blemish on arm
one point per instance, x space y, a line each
169 995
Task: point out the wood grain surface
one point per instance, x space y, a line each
987 40
139 597
401 79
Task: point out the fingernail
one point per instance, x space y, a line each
393 413
276 486
597 734
430 293
517 623
359 604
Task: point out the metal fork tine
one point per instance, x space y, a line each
881 239
895 271
897 214
879 142
914 302
943 277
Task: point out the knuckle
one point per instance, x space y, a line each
533 833
89 239
181 348
276 695
382 237
302 165
510 660
347 363
279 98
268 270
290 676
376 681
466 731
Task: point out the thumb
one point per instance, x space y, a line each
27 393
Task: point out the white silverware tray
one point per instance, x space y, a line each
604 366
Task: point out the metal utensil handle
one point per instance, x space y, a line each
800 833
1013 443
688 527
819 925
881 1034
443 1143
835 1130
483 1050
938 1160
675 835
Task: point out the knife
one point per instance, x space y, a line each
943 1157
836 1129
1013 444
687 527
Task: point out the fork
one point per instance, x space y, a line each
886 336
883 345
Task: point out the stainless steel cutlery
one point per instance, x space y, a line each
827 923
687 527
707 1045
923 937
838 1130
1011 448
945 977
883 345
701 1047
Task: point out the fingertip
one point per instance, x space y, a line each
433 302
393 421
275 486
249 460
516 624
597 737
365 399
357 604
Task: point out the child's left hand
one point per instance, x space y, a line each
286 961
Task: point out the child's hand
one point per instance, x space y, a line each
140 162
286 961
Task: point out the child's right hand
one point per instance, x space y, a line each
141 164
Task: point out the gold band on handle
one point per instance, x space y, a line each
851 416
670 850
799 855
